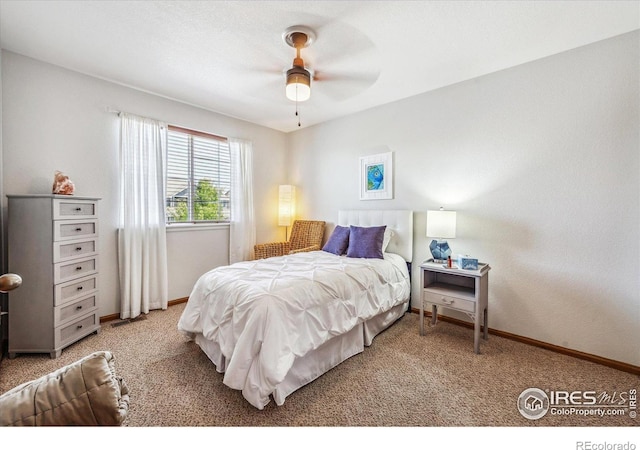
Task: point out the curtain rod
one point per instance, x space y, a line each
118 112
174 127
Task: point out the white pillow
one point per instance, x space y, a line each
388 234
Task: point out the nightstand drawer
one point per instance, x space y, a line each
74 269
64 230
69 312
449 301
74 209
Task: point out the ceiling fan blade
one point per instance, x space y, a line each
339 43
271 90
343 86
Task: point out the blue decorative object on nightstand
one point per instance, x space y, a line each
440 250
468 263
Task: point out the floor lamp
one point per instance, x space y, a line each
286 207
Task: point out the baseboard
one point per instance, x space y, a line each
116 316
178 301
109 318
625 367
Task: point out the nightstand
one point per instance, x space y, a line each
459 290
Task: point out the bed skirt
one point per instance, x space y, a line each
320 360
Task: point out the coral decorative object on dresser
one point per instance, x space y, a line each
62 184
53 245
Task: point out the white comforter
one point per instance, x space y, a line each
265 313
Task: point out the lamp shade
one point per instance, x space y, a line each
286 205
441 224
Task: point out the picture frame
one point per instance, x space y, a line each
376 177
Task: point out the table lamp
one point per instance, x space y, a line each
441 225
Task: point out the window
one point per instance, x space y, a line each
198 177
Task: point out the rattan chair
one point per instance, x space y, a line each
306 236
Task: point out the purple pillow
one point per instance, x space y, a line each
366 242
338 241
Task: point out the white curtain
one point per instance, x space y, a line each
242 233
142 246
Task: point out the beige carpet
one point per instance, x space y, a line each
403 379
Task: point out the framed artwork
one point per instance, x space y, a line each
376 177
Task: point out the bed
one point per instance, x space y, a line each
276 324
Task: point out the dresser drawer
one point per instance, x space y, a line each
450 301
72 290
66 334
74 209
74 310
66 250
71 270
64 230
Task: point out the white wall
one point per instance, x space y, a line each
56 119
541 162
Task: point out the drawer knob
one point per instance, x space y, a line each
79 288
78 229
79 268
78 249
79 307
78 209
79 326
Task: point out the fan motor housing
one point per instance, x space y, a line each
292 39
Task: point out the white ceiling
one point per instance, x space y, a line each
229 56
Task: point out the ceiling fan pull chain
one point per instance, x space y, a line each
297 115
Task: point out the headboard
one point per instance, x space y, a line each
400 221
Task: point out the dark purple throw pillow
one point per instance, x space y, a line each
366 242
338 241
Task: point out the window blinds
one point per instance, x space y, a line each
198 177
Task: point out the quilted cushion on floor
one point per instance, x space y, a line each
86 392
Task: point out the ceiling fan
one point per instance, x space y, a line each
298 78
352 76
346 59
352 79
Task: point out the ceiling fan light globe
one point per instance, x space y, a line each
298 92
298 84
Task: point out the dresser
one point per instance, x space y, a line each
53 245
